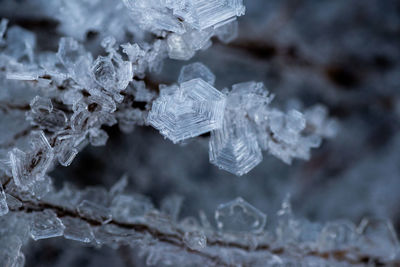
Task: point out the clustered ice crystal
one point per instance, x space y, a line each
70 96
241 121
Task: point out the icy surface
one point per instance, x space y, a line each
193 109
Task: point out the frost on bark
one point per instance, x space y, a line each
59 101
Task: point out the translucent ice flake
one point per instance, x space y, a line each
43 115
288 228
337 236
3 27
78 230
194 109
93 211
239 216
104 72
195 240
20 43
113 74
153 15
97 137
178 48
228 32
46 225
3 202
196 70
129 208
171 206
234 147
286 127
378 238
29 167
202 14
70 53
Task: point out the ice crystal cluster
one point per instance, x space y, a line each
100 70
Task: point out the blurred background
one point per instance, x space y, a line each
344 54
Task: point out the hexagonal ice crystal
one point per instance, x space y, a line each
193 109
234 147
239 216
202 14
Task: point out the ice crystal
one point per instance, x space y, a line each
195 108
94 211
239 216
195 240
196 70
3 202
46 225
29 167
108 73
77 230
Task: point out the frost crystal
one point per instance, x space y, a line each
195 240
126 208
379 238
337 236
227 32
29 167
239 216
196 70
45 116
234 147
46 225
3 202
93 211
206 13
195 108
77 230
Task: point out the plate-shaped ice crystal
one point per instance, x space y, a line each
193 109
239 216
234 147
46 225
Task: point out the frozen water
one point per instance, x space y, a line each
46 225
97 137
94 211
228 32
194 109
178 48
379 238
3 202
337 236
78 230
29 167
129 208
203 14
104 72
43 115
239 216
195 240
234 147
196 70
171 206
